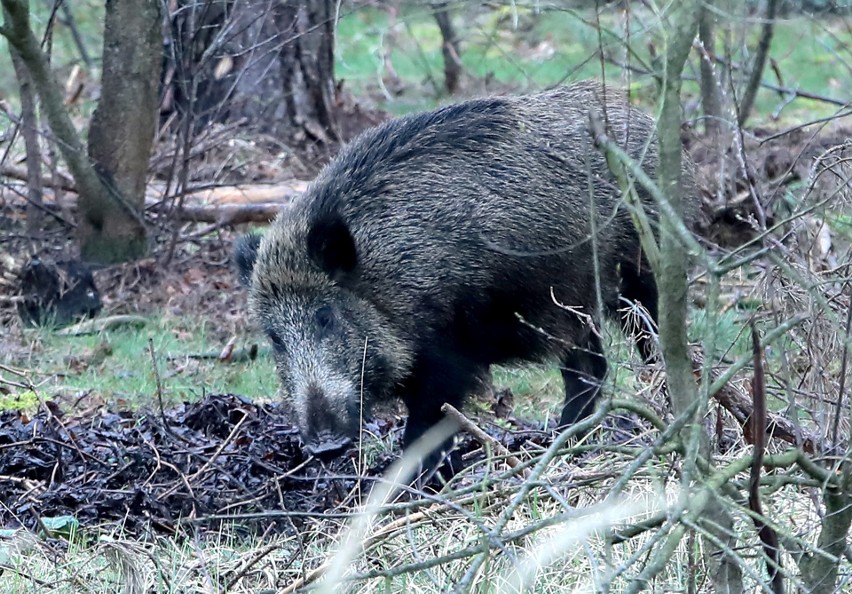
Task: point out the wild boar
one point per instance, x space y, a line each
438 244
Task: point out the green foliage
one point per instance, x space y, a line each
512 47
841 224
732 330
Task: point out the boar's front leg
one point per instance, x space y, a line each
438 377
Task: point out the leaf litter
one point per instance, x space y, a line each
221 459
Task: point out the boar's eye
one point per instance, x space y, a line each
275 338
325 318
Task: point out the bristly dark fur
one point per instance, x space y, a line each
438 244
369 163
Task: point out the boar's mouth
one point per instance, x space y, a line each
327 445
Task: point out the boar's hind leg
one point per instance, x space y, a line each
583 370
639 287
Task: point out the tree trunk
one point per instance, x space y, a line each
269 63
110 191
760 57
16 29
673 284
122 130
711 97
307 66
29 130
258 95
820 570
449 48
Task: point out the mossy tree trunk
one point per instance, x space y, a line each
111 181
111 227
711 96
29 130
724 573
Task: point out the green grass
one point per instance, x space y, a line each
117 365
24 399
733 338
538 390
523 50
548 50
517 48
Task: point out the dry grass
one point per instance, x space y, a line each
550 534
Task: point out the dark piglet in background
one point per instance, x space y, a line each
57 294
438 244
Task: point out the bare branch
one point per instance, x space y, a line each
760 58
483 438
767 534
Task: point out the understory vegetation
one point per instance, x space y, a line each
155 454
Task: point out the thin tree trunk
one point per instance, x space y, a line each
122 130
69 21
29 130
672 281
711 96
16 29
450 47
760 58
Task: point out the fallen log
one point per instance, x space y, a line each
234 194
220 205
20 173
230 214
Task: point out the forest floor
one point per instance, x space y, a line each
245 445
164 431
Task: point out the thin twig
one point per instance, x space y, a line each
835 430
159 385
255 558
483 438
768 536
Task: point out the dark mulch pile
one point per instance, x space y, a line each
223 455
214 460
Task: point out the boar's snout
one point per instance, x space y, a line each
326 433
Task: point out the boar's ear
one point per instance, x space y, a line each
332 247
245 253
